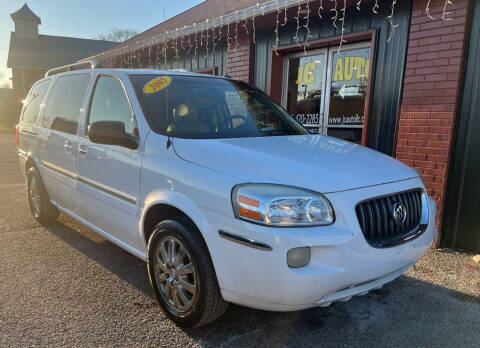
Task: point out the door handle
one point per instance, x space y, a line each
68 145
82 149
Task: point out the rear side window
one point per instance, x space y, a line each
31 106
110 103
65 101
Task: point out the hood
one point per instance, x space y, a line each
315 162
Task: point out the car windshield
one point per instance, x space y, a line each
210 108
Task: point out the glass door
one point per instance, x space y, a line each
326 89
304 92
347 91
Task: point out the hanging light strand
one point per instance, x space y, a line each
393 27
165 43
253 26
236 33
445 13
141 53
343 10
358 4
375 7
228 37
245 25
297 18
213 47
307 27
427 10
196 46
277 22
206 46
335 11
285 19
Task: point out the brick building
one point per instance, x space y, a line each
410 91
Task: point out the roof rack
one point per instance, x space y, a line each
86 64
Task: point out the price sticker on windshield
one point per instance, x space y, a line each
157 84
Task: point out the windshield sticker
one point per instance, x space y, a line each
156 84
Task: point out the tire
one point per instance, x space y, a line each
168 275
42 210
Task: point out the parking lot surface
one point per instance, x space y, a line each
65 285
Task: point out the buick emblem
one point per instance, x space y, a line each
399 213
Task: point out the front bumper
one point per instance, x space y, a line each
342 263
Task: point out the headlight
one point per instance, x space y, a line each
279 205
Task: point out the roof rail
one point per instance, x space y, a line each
87 64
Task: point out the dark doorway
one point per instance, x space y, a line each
462 210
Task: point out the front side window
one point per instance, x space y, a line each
110 103
209 108
64 104
31 106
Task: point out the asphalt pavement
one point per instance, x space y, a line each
67 286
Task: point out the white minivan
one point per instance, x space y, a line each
224 195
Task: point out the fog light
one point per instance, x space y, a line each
298 257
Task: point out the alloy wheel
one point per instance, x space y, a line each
175 275
34 195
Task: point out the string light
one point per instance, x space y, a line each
390 21
320 8
213 47
285 19
306 26
335 16
140 54
182 47
189 45
344 9
277 40
220 28
236 32
375 7
253 26
157 58
244 25
176 49
196 46
427 10
445 12
165 43
206 47
298 22
149 56
228 37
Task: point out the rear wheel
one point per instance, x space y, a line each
182 276
42 210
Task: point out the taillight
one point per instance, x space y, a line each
16 135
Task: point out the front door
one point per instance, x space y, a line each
326 90
109 175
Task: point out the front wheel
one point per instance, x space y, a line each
42 210
182 276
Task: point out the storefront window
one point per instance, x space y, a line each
306 83
349 76
331 83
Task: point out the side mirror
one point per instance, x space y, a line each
111 133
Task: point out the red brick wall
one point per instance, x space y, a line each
240 63
430 93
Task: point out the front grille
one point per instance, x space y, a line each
376 218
